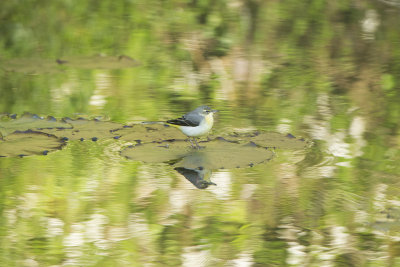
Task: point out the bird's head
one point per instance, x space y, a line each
206 110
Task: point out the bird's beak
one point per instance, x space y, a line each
214 111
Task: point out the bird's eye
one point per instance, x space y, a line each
207 111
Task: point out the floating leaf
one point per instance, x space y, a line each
99 62
41 65
27 121
216 154
157 152
150 133
28 143
84 129
269 139
31 65
219 154
157 142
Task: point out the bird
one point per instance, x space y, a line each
195 123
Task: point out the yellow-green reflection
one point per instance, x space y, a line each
325 70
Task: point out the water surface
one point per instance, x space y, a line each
324 71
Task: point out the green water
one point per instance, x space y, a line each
327 71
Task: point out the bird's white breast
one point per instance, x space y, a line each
203 128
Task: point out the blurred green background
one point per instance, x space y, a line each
328 71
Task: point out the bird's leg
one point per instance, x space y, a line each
195 139
191 142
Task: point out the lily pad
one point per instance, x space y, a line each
28 143
143 133
83 129
28 121
99 62
216 154
41 65
157 152
270 140
31 65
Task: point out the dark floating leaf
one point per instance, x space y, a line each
217 154
26 143
28 121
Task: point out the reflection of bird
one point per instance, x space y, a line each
195 123
199 177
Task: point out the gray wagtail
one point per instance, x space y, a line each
195 123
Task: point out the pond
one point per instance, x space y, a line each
300 167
